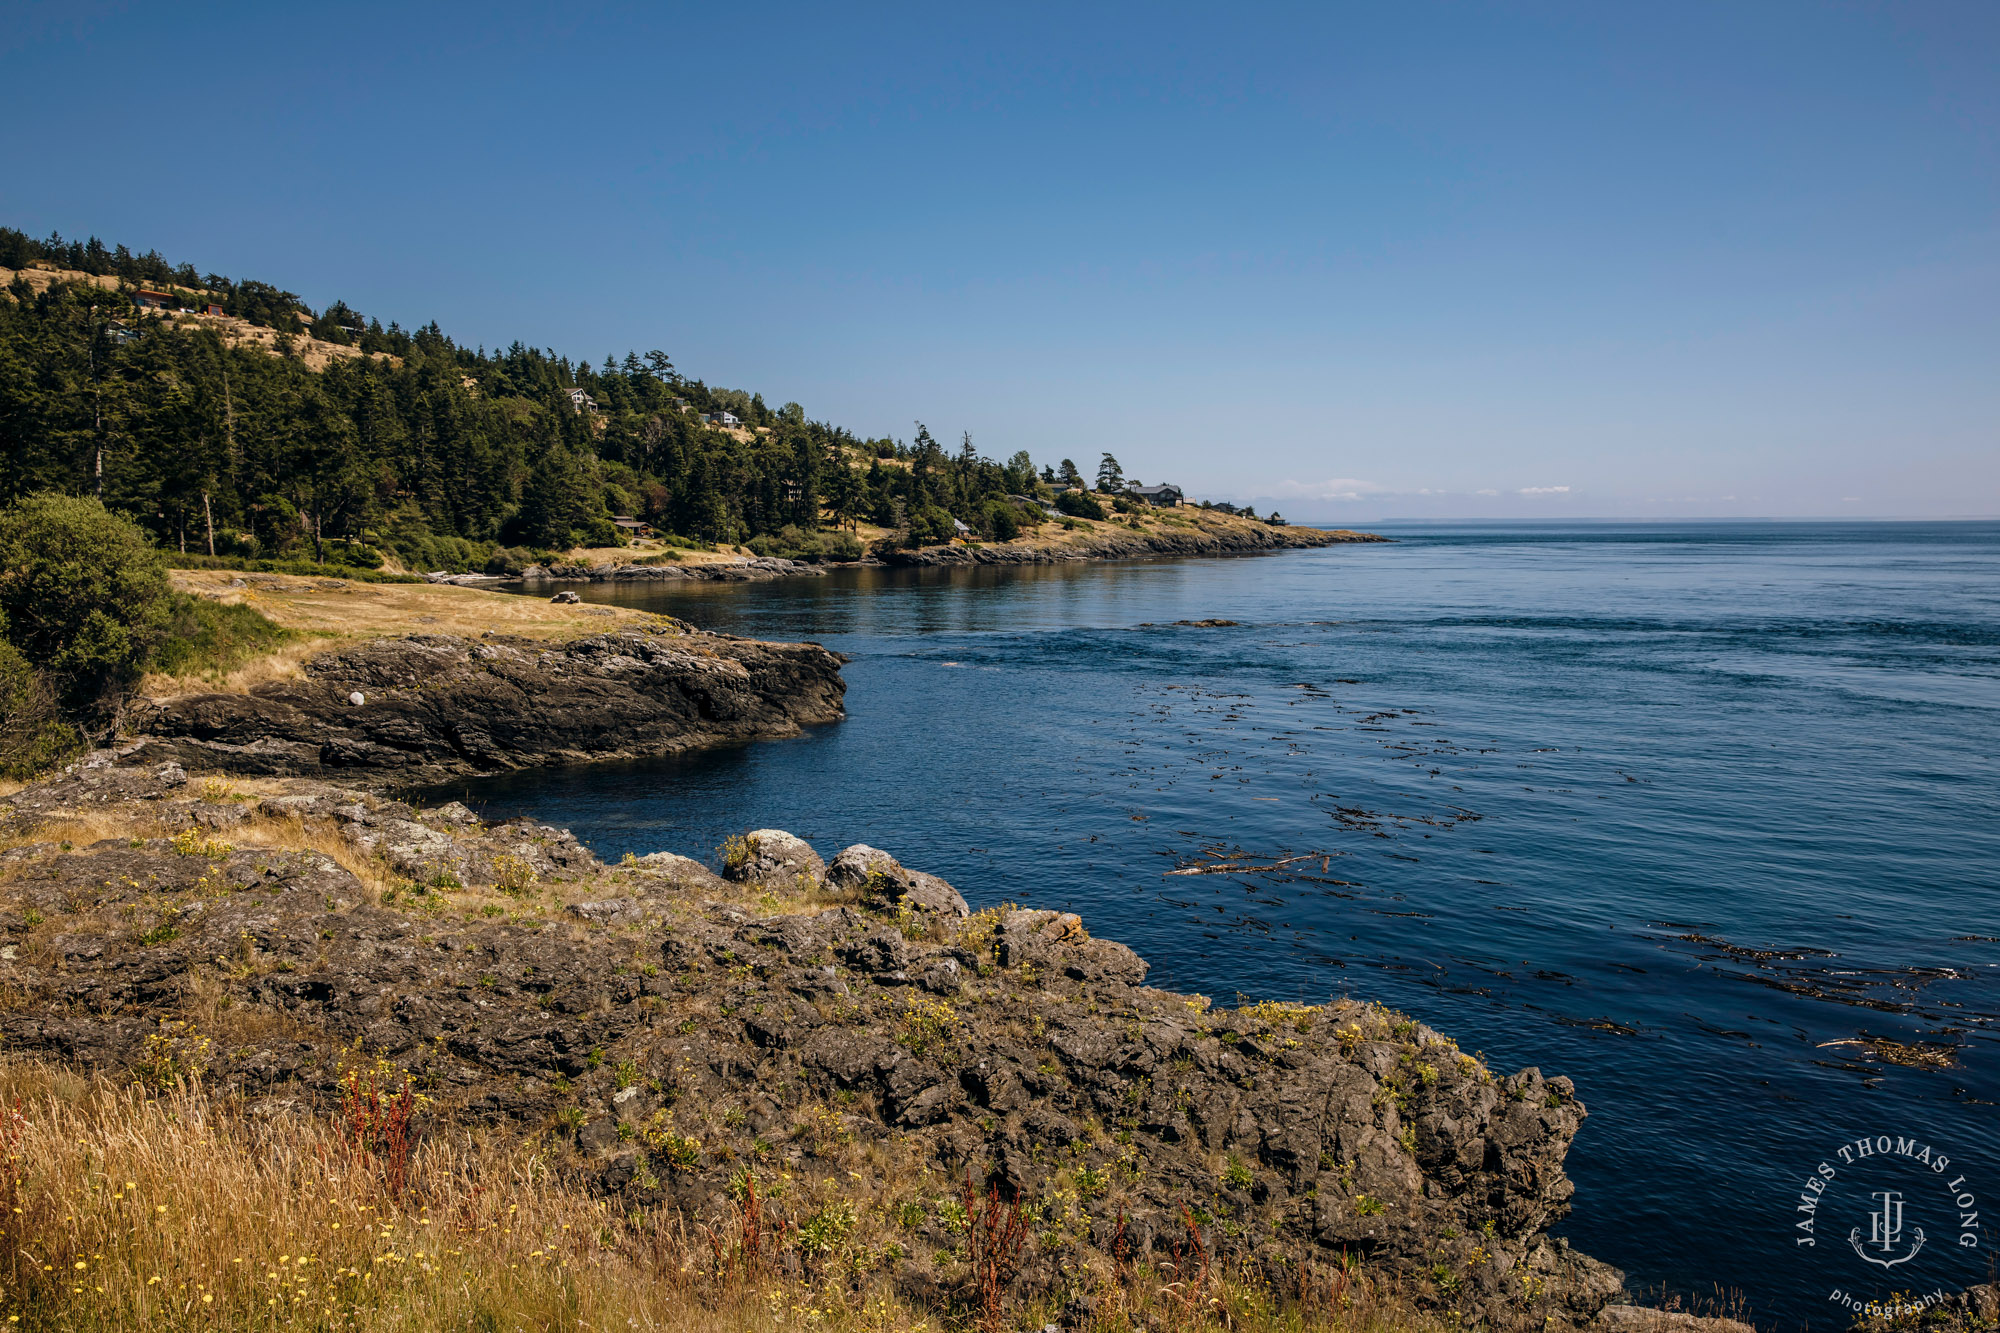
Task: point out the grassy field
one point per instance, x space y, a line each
144 1202
316 613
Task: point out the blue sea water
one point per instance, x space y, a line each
1695 814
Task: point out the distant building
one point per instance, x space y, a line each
959 529
212 309
120 334
148 299
582 401
630 526
1164 496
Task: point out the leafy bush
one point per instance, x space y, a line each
930 526
601 531
1125 504
85 596
1079 504
1002 520
426 551
210 639
354 554
33 734
793 543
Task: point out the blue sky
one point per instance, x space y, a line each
1359 262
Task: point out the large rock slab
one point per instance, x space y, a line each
427 708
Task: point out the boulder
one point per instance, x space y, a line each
774 859
682 874
880 878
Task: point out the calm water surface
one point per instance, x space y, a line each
1694 814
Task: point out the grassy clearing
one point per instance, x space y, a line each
340 606
210 640
164 1208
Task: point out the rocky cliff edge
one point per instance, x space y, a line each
839 1030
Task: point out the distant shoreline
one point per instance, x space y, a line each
1182 533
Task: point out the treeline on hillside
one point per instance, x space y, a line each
443 455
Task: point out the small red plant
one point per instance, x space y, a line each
995 1235
1188 1293
380 1123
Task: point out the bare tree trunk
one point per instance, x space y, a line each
208 515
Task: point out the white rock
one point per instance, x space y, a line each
357 698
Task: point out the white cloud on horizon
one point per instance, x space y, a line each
1333 488
1543 490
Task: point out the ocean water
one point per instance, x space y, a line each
1702 816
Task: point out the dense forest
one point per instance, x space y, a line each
446 457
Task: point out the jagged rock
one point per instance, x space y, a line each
612 911
679 873
882 879
442 707
774 859
566 598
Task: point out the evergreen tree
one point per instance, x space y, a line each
555 503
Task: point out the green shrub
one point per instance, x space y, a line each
85 596
930 525
794 543
1079 504
1125 504
33 734
1003 521
210 639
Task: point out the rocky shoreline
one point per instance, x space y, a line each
1098 544
667 1028
1104 545
427 708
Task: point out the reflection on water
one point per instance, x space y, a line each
1699 815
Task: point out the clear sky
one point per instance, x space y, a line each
1358 261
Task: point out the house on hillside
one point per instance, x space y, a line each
148 299
630 526
120 333
211 309
721 418
959 529
1164 496
582 401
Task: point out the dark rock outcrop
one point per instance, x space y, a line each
426 708
670 1040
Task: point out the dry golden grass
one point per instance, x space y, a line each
152 1205
625 555
331 610
286 663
